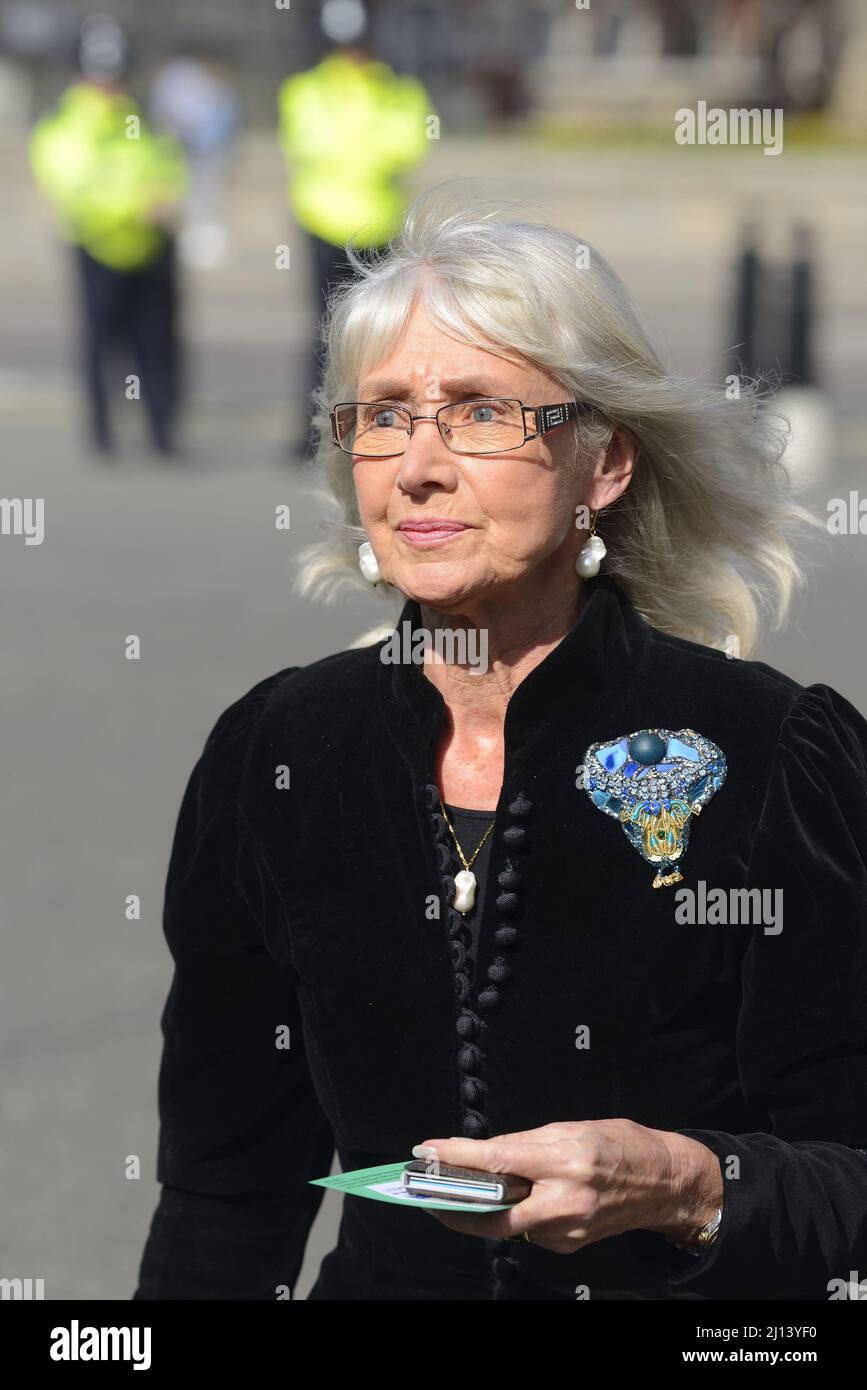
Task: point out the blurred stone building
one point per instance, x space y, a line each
581 63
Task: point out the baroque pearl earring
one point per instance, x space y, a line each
591 554
368 563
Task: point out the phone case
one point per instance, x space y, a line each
515 1188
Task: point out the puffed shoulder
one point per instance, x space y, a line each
238 719
826 732
315 694
217 897
212 869
815 805
220 767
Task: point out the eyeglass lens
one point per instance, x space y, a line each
467 427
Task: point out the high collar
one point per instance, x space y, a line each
551 704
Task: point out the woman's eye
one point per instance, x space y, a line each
384 418
482 414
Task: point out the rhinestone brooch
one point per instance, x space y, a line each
654 782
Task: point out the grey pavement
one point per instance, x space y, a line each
97 749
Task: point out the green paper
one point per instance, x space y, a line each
382 1184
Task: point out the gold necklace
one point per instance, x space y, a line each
465 881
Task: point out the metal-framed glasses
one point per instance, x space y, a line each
483 425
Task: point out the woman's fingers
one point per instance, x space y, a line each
545 1216
492 1225
524 1157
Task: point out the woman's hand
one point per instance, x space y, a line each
591 1179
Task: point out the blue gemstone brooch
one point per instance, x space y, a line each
654 781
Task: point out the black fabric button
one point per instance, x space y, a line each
520 806
475 1126
499 972
440 829
500 1246
455 919
467 1025
515 837
429 796
506 1269
509 878
506 937
469 1058
449 889
459 955
472 1091
490 999
444 858
508 903
462 987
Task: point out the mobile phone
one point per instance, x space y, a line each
463 1184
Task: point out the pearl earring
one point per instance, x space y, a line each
368 563
591 554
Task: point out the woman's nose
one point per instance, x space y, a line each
425 454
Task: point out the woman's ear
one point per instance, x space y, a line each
613 471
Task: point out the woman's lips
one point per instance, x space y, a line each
424 534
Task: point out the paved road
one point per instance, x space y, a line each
96 749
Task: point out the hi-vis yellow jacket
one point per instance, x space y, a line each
105 173
349 129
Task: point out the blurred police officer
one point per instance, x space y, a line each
349 127
113 184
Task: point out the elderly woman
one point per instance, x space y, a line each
583 899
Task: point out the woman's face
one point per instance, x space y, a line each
516 509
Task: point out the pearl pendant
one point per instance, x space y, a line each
590 557
465 883
368 563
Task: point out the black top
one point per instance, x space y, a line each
470 827
320 913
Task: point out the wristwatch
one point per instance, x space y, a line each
703 1238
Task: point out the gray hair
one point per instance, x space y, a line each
702 539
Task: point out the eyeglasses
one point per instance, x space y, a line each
485 425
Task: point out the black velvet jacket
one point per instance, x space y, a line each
309 907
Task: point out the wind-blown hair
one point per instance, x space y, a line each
702 539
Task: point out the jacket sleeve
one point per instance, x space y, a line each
795 1198
241 1130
